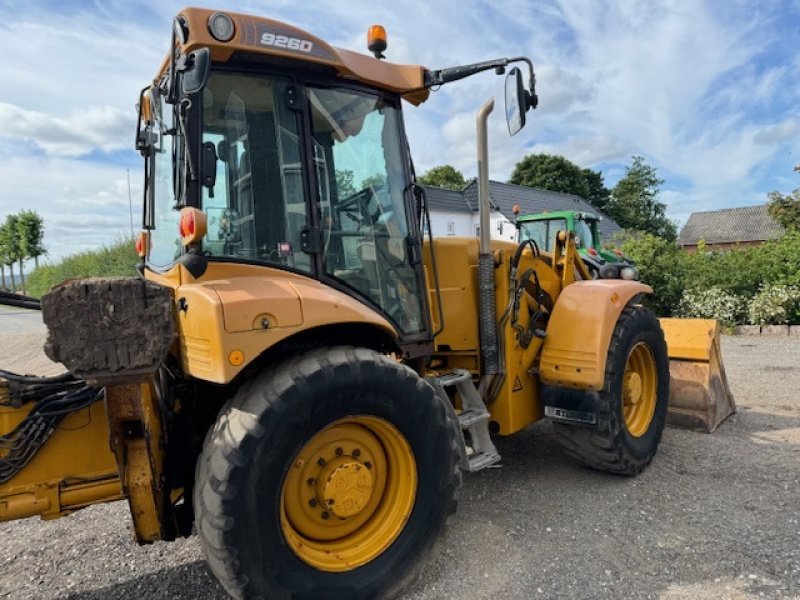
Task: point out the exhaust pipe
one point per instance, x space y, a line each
487 324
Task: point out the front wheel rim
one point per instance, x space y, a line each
348 494
639 389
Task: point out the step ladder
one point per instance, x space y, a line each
479 451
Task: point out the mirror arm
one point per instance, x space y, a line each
442 76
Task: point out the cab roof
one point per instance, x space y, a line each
261 36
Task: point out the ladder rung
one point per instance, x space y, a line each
482 460
469 418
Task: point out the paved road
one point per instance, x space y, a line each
19 321
715 516
22 336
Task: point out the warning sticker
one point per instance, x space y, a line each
517 385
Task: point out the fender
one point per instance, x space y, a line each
580 330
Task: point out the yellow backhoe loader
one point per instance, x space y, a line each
300 375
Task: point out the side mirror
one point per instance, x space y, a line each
195 76
516 101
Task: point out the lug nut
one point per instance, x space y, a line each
321 462
356 453
311 481
326 515
339 452
368 464
312 503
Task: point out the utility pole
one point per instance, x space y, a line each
130 202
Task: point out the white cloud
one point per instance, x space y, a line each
95 128
696 89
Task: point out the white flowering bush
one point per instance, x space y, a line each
776 305
713 303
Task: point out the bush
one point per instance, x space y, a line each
661 266
776 305
117 259
739 271
780 260
703 283
713 303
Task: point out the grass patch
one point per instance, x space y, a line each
115 260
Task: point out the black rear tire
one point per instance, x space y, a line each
609 446
258 434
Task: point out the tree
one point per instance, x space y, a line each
345 184
31 234
3 263
444 176
661 265
13 243
598 192
785 209
377 180
634 201
9 245
558 174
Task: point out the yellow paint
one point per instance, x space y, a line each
690 339
249 308
74 467
639 389
580 330
348 494
140 456
139 482
516 403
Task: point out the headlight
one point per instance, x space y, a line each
221 27
629 273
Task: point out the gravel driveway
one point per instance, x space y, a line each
715 516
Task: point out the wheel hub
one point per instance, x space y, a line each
345 488
633 388
348 493
639 389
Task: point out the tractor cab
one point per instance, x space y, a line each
283 153
602 263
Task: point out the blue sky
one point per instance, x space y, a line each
706 91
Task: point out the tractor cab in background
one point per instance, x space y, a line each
602 262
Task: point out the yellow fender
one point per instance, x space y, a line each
580 330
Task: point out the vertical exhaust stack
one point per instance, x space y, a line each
487 324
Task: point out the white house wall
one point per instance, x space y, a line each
447 223
467 224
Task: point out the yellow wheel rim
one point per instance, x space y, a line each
639 389
348 493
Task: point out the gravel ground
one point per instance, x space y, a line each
715 516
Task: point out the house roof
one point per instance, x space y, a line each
446 200
503 197
730 225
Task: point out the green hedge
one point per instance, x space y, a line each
703 282
118 259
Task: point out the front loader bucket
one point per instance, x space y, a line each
699 396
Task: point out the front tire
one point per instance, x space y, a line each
632 406
328 476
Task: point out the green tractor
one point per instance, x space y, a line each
602 263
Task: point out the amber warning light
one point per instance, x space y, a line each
142 244
376 40
192 225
